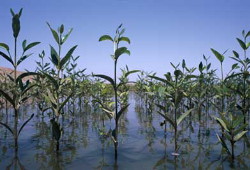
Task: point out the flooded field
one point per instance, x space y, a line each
142 142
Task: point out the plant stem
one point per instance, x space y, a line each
175 131
222 86
15 131
116 104
15 58
232 149
15 100
244 89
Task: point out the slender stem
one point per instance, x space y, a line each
232 149
58 78
244 88
175 115
15 63
15 102
116 103
222 86
175 130
57 94
15 131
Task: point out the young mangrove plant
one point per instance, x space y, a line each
56 96
233 131
238 82
118 51
123 90
200 89
222 90
175 94
18 93
42 68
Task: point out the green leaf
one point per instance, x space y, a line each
52 80
241 128
20 12
15 25
55 34
64 38
168 119
178 73
122 31
242 44
64 102
236 54
239 136
24 44
201 67
51 98
159 79
238 121
106 78
20 82
61 29
10 77
7 97
163 108
5 46
23 75
120 51
183 63
12 12
179 120
247 45
124 39
109 113
208 66
105 37
27 89
31 45
232 76
243 33
219 56
54 56
131 72
190 76
121 111
234 66
248 33
163 80
67 57
228 137
7 58
223 143
25 124
22 59
222 123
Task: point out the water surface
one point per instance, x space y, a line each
142 142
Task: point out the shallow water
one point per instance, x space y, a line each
142 143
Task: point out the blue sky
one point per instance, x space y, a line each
161 31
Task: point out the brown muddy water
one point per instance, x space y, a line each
142 143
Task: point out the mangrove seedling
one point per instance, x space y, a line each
18 94
175 95
233 131
56 96
118 51
242 87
